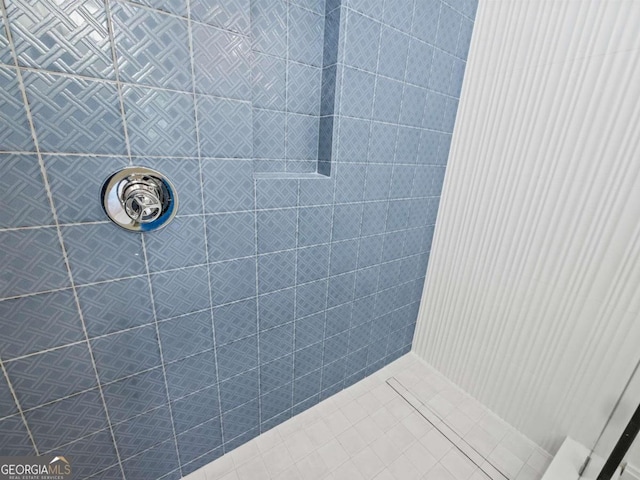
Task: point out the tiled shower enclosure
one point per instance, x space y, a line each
308 144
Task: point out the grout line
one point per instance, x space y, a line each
258 333
205 233
295 298
54 213
19 407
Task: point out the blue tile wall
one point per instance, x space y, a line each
308 141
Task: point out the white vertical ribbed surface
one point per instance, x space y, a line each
532 298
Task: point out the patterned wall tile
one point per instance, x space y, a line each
191 374
143 432
311 298
114 306
233 280
92 454
69 37
268 81
276 308
241 420
230 15
388 100
276 193
338 319
14 439
7 403
235 321
224 127
374 217
39 322
32 262
178 7
156 461
276 343
441 71
312 263
303 89
341 289
276 402
343 256
346 221
419 68
228 185
48 376
269 27
276 230
67 420
309 330
276 271
314 226
394 49
382 144
448 29
87 114
5 51
408 144
237 357
16 133
366 281
135 395
332 376
123 354
354 140
195 408
187 335
160 122
200 440
269 134
425 21
398 13
239 389
357 93
306 386
199 462
305 36
413 103
434 111
363 42
464 39
276 373
302 142
221 63
180 244
350 186
332 39
153 48
180 291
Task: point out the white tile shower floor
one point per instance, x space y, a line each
404 422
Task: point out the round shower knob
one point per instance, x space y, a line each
139 199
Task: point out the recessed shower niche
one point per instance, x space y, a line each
294 56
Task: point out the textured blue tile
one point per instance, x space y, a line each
392 247
230 15
434 111
309 330
464 40
224 126
276 308
276 420
328 91
86 112
233 280
45 377
153 463
343 256
382 144
335 348
388 101
276 343
237 357
276 402
14 438
221 63
394 49
39 322
303 89
370 251
316 191
241 420
76 184
153 48
413 104
350 183
198 463
268 82
357 93
180 244
135 395
354 140
441 71
306 386
235 321
15 132
398 13
305 36
448 29
408 144
419 65
276 193
346 221
195 408
315 5
67 420
402 181
228 185
269 26
457 77
177 7
112 473
187 335
45 36
102 252
428 151
7 403
308 359
359 337
311 298
180 291
143 432
313 263
126 353
191 374
397 216
372 8
333 374
269 134
276 373
91 455
200 440
362 42
239 390
338 319
26 202
314 226
5 52
450 111
425 21
374 218
160 122
184 173
332 38
114 306
367 281
302 137
276 230
276 271
341 289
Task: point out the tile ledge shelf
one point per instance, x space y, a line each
289 176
